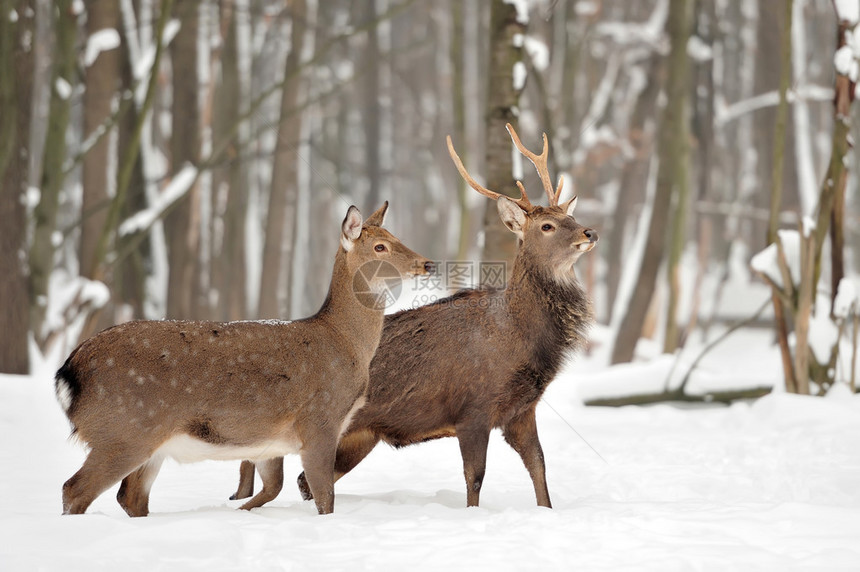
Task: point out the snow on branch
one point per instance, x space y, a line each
847 298
102 41
635 33
767 261
847 10
172 192
728 113
522 8
847 58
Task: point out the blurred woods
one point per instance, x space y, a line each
193 158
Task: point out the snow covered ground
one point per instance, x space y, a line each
766 485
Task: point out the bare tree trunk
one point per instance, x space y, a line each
63 79
102 82
125 273
370 92
776 193
837 173
229 267
16 81
458 99
278 248
503 96
182 224
634 178
678 231
131 155
671 132
125 277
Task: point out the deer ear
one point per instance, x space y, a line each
512 215
569 206
351 228
377 218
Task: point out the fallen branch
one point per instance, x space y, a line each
679 393
726 397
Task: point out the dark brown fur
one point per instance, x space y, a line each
475 361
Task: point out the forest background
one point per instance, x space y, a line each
192 158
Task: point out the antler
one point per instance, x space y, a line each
539 161
522 202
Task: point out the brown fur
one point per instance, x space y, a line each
269 386
478 360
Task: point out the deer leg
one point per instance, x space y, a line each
318 463
133 495
246 480
521 434
351 450
103 467
272 473
473 447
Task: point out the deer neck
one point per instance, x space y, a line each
546 310
343 312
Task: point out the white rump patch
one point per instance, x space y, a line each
64 394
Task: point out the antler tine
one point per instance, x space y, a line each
523 202
554 200
539 161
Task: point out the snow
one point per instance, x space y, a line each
519 75
180 184
522 8
586 8
698 50
823 332
628 33
98 42
63 88
847 298
67 290
766 261
763 485
538 51
848 10
845 62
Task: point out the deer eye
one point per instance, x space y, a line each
379 248
547 227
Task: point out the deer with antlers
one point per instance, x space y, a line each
482 358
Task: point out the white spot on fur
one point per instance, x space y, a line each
109 361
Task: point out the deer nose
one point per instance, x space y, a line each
430 267
590 234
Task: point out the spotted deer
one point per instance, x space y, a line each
480 359
193 390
